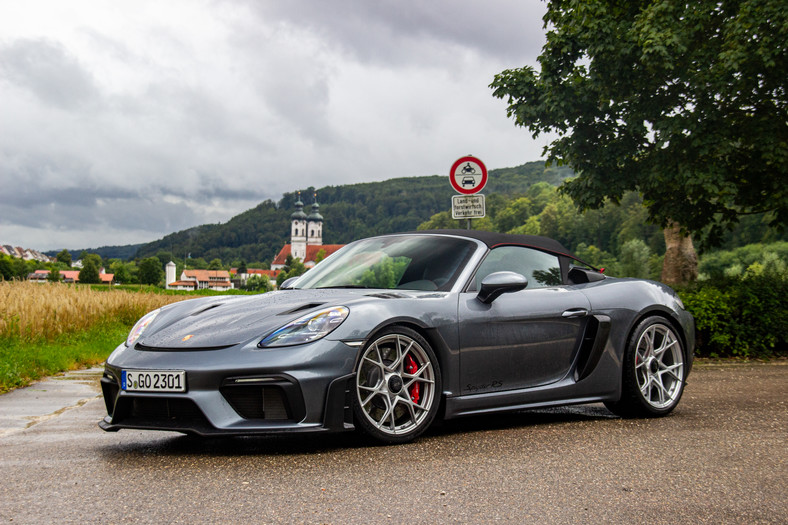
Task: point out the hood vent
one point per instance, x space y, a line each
211 307
389 295
301 308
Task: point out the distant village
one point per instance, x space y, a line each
24 253
306 245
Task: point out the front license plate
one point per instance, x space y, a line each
153 380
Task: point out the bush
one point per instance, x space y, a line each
257 283
740 316
715 265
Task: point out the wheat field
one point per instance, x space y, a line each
43 311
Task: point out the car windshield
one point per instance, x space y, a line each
407 262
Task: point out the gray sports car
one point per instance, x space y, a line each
393 331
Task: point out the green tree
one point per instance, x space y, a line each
196 264
94 258
54 275
64 256
682 102
6 268
257 283
150 271
514 215
164 256
215 264
121 271
293 268
439 221
259 265
19 268
634 259
242 267
89 274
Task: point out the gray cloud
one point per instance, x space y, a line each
47 70
410 30
126 121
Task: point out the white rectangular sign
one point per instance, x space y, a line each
467 206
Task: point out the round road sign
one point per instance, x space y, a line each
468 175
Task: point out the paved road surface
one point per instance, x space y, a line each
722 457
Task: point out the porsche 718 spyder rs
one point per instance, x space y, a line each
392 331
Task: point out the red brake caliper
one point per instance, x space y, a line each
411 368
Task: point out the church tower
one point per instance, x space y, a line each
298 230
306 237
314 226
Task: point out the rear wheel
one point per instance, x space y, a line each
397 386
654 371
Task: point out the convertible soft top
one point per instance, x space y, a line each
493 239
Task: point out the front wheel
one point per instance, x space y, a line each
654 371
397 387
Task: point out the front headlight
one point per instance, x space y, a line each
141 325
307 328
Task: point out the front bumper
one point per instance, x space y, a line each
236 391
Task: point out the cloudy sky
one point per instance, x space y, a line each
123 121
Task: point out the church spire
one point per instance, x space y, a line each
315 225
299 206
298 239
315 215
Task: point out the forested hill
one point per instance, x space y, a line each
350 212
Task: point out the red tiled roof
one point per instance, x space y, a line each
271 274
190 284
74 275
311 252
205 275
256 271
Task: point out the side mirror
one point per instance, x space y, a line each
499 283
287 283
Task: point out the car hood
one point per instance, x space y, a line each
225 321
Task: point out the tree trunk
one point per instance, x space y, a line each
681 261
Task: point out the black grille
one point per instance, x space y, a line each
257 402
159 412
157 409
110 389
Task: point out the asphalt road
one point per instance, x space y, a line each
722 457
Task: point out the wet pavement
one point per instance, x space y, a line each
722 457
48 398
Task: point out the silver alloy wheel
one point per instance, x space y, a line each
395 384
659 366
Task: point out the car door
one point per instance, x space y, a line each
523 339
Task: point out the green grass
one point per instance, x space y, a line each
36 350
23 362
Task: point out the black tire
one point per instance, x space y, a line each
654 371
397 387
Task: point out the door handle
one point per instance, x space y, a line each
574 312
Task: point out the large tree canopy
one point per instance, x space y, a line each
684 102
150 271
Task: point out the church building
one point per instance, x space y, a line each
306 237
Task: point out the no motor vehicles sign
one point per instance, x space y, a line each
468 175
